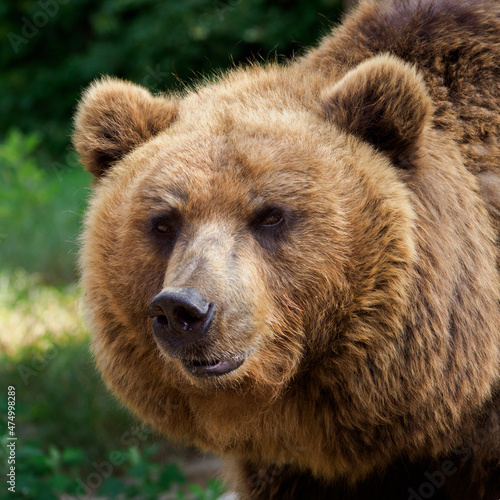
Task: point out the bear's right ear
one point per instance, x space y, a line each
383 101
114 117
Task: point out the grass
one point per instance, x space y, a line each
73 439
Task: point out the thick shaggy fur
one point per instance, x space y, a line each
369 320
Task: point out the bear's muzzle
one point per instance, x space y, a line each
182 320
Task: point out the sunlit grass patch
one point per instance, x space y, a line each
31 311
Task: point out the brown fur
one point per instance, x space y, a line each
370 319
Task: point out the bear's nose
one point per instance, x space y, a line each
181 315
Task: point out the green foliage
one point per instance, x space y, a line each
213 490
41 209
146 480
43 474
47 473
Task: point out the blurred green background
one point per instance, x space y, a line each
68 426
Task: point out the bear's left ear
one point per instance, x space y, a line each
114 117
383 101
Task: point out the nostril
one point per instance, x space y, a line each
184 318
162 320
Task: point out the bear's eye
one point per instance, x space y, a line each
165 228
271 219
271 224
162 227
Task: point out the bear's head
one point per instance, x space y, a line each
276 255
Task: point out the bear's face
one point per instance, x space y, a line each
229 218
240 223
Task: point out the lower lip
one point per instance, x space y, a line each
212 370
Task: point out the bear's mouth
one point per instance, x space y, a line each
211 368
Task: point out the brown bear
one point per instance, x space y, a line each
296 266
